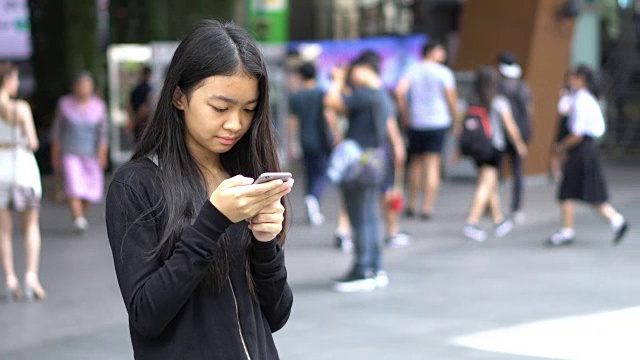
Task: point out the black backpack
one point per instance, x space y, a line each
475 140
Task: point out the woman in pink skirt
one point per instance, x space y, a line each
80 146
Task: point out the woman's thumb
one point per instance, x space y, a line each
237 180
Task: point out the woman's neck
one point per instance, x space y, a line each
209 164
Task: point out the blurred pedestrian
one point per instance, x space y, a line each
499 116
197 246
391 190
583 178
367 114
428 104
79 147
312 125
516 90
20 186
140 104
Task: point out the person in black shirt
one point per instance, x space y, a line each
516 90
315 127
197 246
140 105
368 113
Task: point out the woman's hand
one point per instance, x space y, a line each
267 224
239 199
558 149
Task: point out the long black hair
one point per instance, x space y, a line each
211 48
485 86
590 78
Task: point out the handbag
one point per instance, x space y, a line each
350 166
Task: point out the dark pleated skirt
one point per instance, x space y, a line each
583 178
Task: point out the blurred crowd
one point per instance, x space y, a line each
344 131
382 147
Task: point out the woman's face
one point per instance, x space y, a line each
219 112
576 82
11 83
83 88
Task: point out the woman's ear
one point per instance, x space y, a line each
179 99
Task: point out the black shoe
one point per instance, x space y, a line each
425 217
620 233
409 213
356 281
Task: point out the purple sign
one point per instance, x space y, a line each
397 53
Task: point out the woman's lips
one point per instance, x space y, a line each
226 140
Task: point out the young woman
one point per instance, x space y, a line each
196 245
583 178
79 147
486 195
20 186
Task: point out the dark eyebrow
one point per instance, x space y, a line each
231 101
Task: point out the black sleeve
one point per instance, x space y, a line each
270 277
154 291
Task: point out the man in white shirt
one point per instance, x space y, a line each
428 105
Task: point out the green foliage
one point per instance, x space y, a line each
141 21
65 42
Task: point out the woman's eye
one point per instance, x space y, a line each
250 110
220 110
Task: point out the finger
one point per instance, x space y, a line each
259 190
273 208
235 181
275 190
274 198
271 228
267 219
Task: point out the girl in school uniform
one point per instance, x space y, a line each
583 178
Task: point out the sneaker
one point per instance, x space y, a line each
519 217
343 242
316 219
409 213
356 281
399 240
474 233
504 228
561 238
81 224
313 210
382 280
620 232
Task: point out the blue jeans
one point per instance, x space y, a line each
363 209
316 171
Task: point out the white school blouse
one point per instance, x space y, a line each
586 116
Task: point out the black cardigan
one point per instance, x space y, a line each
173 313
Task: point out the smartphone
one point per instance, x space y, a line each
269 176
